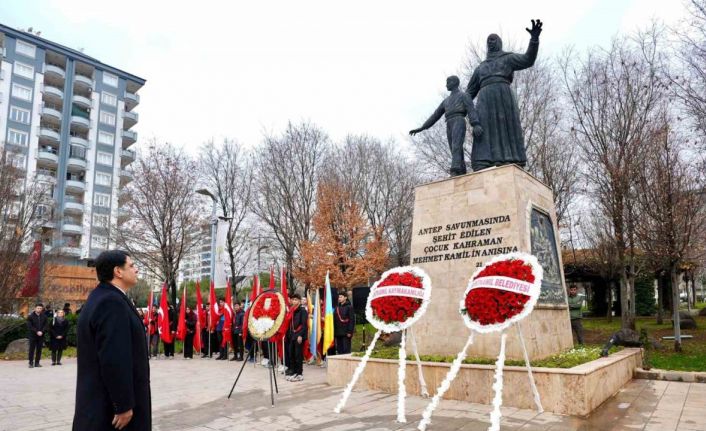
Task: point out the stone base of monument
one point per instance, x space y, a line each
573 391
462 222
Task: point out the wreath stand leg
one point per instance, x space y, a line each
401 389
422 383
237 378
358 371
273 351
498 386
537 400
272 394
450 376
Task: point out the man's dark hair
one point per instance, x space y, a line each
296 296
107 261
39 304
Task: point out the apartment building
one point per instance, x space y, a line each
67 119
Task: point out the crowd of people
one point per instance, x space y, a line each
290 354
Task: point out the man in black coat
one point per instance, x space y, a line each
343 324
113 378
296 334
238 320
36 326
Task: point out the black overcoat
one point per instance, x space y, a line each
113 369
343 320
58 329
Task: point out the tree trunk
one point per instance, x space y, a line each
675 308
609 298
660 299
626 315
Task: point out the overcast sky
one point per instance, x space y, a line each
243 68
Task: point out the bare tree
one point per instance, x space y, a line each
614 93
288 167
603 254
227 172
162 212
689 71
382 180
671 197
20 218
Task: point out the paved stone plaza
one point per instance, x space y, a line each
191 395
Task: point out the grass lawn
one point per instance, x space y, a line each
597 332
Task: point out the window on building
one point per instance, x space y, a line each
19 115
103 179
77 152
101 220
17 137
107 118
109 79
104 158
99 241
106 138
25 48
22 92
101 200
43 211
109 99
16 160
24 70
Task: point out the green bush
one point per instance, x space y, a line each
645 304
11 329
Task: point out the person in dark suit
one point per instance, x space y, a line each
113 377
296 334
343 324
36 326
58 331
169 347
190 331
238 318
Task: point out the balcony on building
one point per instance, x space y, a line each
51 113
71 251
77 157
48 156
129 138
46 175
54 71
79 139
130 119
83 82
79 120
72 225
131 100
128 156
126 176
75 182
73 204
52 94
82 101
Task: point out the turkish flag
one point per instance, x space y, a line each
200 318
283 284
148 316
228 318
181 326
163 318
255 288
213 312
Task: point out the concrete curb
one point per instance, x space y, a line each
671 376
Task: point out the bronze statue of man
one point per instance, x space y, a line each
456 107
502 142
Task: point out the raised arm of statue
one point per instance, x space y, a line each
523 61
436 116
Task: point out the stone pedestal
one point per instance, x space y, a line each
462 222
